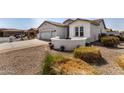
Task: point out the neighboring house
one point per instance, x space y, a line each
77 28
112 32
10 32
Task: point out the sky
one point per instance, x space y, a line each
26 23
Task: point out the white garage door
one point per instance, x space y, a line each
45 35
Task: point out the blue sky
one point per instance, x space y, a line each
26 23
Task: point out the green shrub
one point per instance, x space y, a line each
110 41
88 54
59 65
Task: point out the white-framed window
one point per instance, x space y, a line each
79 31
76 31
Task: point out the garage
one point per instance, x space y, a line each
48 29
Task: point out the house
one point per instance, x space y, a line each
70 28
112 32
5 32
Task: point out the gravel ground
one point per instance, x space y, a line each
110 56
22 58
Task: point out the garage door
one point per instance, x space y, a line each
45 35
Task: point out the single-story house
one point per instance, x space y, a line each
70 28
10 32
71 33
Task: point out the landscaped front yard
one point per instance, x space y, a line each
110 55
65 65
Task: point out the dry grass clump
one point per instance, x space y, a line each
110 41
60 65
120 61
88 54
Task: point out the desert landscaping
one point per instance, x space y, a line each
28 57
74 47
110 55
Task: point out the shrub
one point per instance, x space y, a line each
49 61
88 54
110 41
102 35
122 38
120 61
59 65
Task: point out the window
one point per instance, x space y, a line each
76 31
81 31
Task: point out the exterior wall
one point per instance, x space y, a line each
4 39
45 31
69 44
95 31
62 32
78 23
102 28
